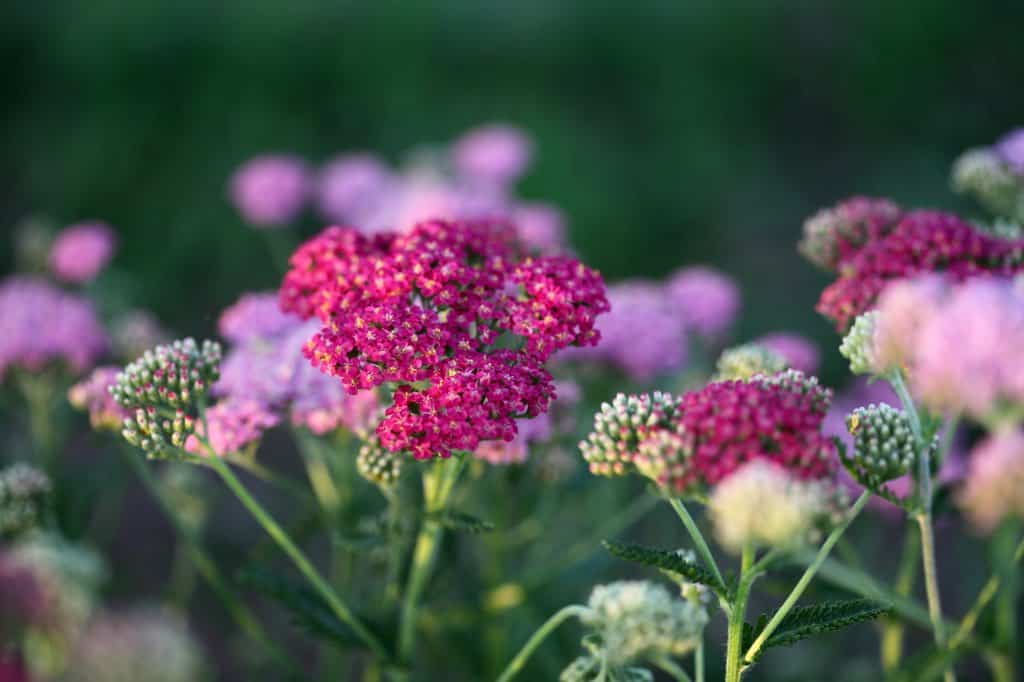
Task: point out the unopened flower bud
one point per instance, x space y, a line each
858 345
664 457
884 445
378 465
620 427
982 174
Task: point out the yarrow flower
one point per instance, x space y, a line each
858 346
707 300
377 465
833 235
254 315
233 424
994 487
621 426
496 154
43 324
922 242
164 387
23 493
798 351
92 395
81 251
984 175
748 360
530 432
637 620
763 504
270 191
353 187
424 311
141 644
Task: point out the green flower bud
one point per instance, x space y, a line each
884 445
378 465
746 361
859 344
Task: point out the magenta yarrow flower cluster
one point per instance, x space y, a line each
81 251
42 324
267 364
425 311
270 191
532 432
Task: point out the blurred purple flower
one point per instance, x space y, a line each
799 352
495 154
541 227
234 424
255 315
270 191
707 299
81 251
353 187
40 323
1010 149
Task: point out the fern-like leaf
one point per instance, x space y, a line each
666 560
453 519
809 621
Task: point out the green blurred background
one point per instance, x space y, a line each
671 132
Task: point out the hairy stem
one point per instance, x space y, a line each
305 567
931 584
734 644
893 629
698 539
549 626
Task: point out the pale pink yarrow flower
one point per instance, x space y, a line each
233 424
798 351
540 227
994 488
496 153
354 187
707 299
270 191
81 251
903 310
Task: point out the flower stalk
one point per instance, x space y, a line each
549 626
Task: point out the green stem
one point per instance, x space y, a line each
806 578
438 485
207 567
734 644
670 666
988 592
893 629
298 558
698 661
931 584
698 540
517 663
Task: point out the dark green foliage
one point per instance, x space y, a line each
667 560
456 520
809 621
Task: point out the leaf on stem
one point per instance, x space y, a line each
809 621
667 560
456 520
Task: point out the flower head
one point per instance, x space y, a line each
707 300
234 425
743 362
354 187
636 620
858 345
92 395
884 447
42 324
994 489
798 351
81 251
270 191
903 310
254 315
621 426
762 504
984 175
833 235
494 154
23 493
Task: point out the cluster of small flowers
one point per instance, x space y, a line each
541 429
763 504
638 620
23 493
43 324
140 644
429 307
93 395
233 425
164 387
884 447
377 465
621 426
80 252
590 668
994 489
995 175
648 330
266 364
920 242
746 361
834 235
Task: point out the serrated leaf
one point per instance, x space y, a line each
453 519
666 560
817 619
308 610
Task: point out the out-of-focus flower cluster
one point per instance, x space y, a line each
42 324
426 310
994 487
889 245
544 428
93 396
23 495
80 252
994 176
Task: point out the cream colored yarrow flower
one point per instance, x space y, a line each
746 361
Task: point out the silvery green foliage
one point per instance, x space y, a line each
981 174
884 446
377 464
165 387
588 669
858 345
638 620
23 493
746 361
620 427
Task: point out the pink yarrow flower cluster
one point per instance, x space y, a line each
233 425
270 191
530 432
81 251
42 324
425 310
921 242
994 487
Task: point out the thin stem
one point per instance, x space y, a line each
806 578
517 663
698 661
734 643
438 485
931 584
698 539
298 558
670 666
893 629
988 592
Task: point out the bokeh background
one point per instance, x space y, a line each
670 132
